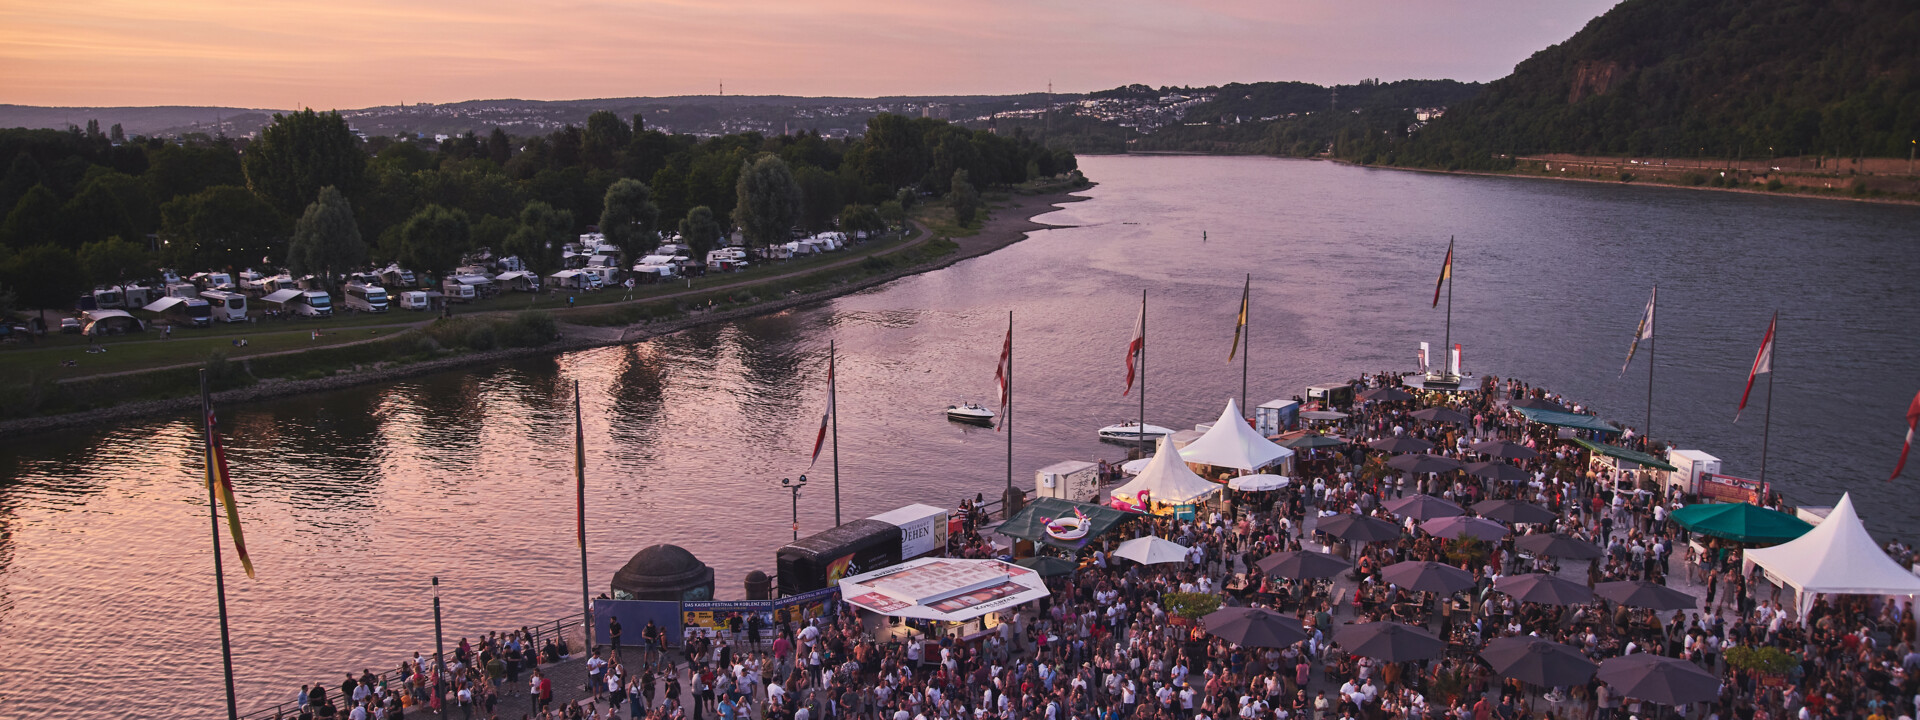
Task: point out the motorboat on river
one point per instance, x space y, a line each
1130 432
970 413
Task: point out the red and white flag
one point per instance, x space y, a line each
820 439
1913 421
1136 345
1762 363
1001 372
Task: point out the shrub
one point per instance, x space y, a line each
481 337
1626 177
1192 606
1774 185
529 329
1772 661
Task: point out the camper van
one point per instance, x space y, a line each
600 276
396 277
315 303
457 291
213 281
180 312
253 283
415 300
184 290
109 299
366 298
137 295
226 306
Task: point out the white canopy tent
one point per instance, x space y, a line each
949 589
1151 550
1232 443
1836 557
1166 479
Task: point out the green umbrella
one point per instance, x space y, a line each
1741 522
1048 565
1311 441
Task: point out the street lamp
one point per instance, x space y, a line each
795 486
439 647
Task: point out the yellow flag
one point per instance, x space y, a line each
1240 324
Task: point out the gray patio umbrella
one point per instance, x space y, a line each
1504 449
1544 588
1048 565
1473 527
1440 414
1558 545
1663 680
1423 507
1309 441
1427 576
1538 662
1401 445
1643 594
1496 470
1302 565
1358 528
1513 511
1253 627
1386 394
1539 404
1423 463
1389 641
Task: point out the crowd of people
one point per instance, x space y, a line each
1112 643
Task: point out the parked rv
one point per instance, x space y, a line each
226 306
416 300
457 291
366 298
294 301
253 283
180 312
396 277
109 299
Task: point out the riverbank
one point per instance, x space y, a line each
1786 190
1009 221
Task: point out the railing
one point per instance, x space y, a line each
541 632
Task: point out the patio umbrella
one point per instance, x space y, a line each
1440 414
1504 449
1496 470
1358 528
1257 483
1424 463
1513 511
1539 404
1302 565
1663 680
1308 441
1643 594
1473 527
1539 662
1557 545
1048 565
1151 550
1423 507
1740 522
1389 641
1253 627
1386 394
1322 415
1133 467
1544 588
1401 445
1427 576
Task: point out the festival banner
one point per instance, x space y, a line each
1727 488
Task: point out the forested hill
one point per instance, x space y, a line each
1718 78
1265 100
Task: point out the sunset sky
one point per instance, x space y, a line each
359 53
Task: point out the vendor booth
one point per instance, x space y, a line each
945 590
1166 487
1837 557
1232 443
1628 466
1062 524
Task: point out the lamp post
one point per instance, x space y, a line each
439 648
795 486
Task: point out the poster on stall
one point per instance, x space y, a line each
1727 488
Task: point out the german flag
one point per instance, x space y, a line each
1239 325
219 482
1446 271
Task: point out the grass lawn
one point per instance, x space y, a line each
146 350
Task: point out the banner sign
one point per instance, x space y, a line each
710 618
1727 488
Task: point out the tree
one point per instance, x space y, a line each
768 200
300 153
34 220
892 214
701 233
606 136
114 261
861 218
117 135
819 198
964 199
326 241
499 148
629 218
434 240
537 242
45 276
108 204
221 227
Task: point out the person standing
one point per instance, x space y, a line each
613 636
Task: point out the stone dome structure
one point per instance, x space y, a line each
665 572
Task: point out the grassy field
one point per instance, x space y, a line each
146 350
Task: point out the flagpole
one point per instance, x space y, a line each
1246 343
1447 347
219 573
580 507
833 392
1767 423
1007 422
1143 373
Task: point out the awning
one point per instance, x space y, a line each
947 589
1632 456
1567 419
280 297
1027 524
163 304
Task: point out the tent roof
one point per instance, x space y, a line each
1567 419
281 296
1231 442
1026 524
1632 456
1167 479
163 304
1837 556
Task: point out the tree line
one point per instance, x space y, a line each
85 207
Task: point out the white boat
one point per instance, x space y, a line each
970 413
1130 432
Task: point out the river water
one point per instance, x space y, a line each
353 499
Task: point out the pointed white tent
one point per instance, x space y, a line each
1151 550
1167 479
1836 557
1234 444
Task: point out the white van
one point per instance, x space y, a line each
227 306
366 298
314 303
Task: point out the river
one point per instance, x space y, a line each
353 499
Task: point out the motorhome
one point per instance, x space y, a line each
366 298
601 276
180 312
111 298
653 273
168 276
253 282
137 295
571 280
726 259
226 306
213 281
481 283
517 280
180 289
315 303
396 277
457 291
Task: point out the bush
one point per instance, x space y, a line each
1693 178
1774 185
1626 177
481 337
1192 606
1859 188
528 329
1772 661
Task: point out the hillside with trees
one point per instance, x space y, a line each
1686 78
